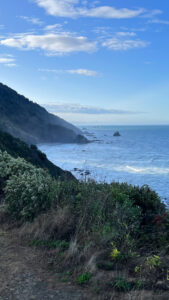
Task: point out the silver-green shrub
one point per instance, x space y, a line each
28 190
13 166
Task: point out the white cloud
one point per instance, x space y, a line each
111 12
124 44
8 61
125 33
53 44
141 29
4 60
53 27
102 30
158 21
84 72
34 21
76 8
152 13
11 65
82 109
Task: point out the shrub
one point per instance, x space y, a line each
151 266
153 261
84 278
13 166
115 254
28 190
29 194
130 217
143 197
119 212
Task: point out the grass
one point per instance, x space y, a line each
84 278
121 285
62 245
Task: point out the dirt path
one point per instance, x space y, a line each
21 277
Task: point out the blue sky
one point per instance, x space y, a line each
90 62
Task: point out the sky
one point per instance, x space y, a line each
90 62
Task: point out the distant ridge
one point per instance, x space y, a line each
31 123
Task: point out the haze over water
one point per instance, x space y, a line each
139 156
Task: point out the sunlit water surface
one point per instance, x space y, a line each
139 156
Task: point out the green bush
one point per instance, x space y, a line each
28 190
126 215
13 166
153 261
84 278
28 194
119 213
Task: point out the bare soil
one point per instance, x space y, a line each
23 278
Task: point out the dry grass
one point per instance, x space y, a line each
73 250
91 266
52 225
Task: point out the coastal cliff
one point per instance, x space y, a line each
31 123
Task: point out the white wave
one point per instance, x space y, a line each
148 170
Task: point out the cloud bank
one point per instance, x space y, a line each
81 109
59 43
76 8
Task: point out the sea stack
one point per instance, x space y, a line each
117 133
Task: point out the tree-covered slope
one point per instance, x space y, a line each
17 148
31 122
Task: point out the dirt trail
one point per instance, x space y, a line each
22 278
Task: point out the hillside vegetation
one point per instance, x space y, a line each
111 238
32 123
16 148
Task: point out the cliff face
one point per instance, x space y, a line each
32 123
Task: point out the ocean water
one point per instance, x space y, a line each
139 156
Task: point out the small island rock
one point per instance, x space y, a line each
117 133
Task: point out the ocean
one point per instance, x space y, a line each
139 156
